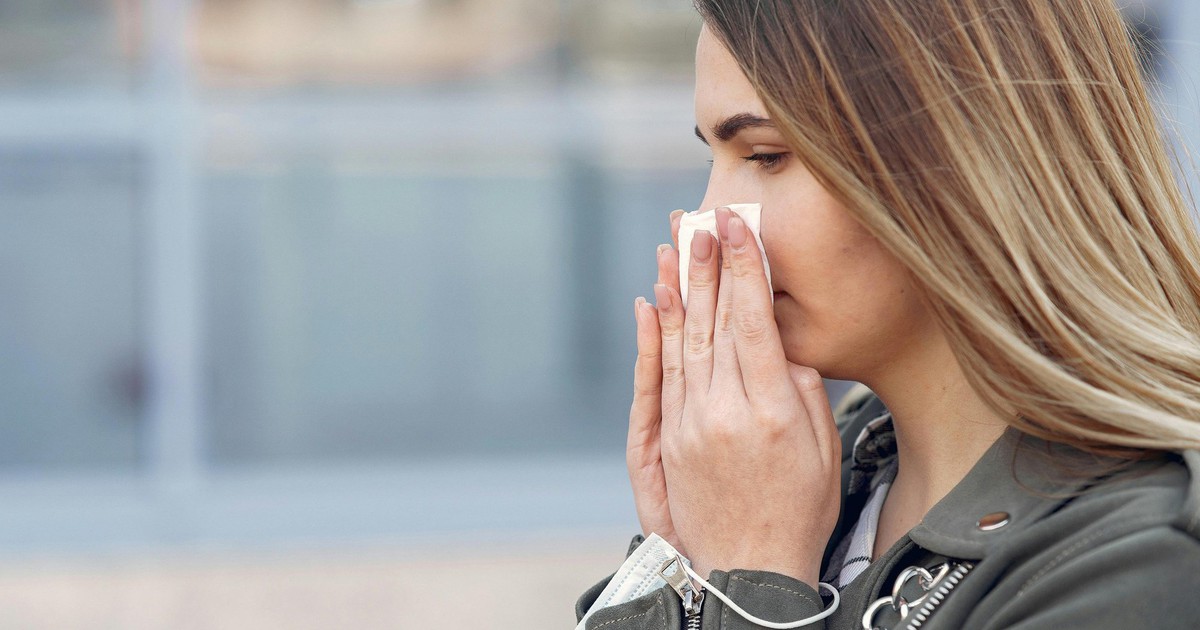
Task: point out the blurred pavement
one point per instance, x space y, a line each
510 588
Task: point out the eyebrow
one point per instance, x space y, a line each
725 130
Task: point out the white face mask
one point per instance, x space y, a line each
638 576
751 213
654 562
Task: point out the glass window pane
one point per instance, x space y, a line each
69 338
380 312
445 264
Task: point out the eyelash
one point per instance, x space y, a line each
766 161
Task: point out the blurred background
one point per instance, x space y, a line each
318 313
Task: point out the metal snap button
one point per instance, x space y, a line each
993 521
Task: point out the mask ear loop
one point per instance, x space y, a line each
762 622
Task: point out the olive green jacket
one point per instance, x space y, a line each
1018 543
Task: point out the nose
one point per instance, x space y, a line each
725 189
721 190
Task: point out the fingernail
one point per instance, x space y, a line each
662 248
723 215
702 246
662 296
676 214
637 308
737 233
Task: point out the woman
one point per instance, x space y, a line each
967 207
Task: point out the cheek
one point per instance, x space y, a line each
853 304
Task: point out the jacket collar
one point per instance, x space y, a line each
1021 479
1017 481
1009 488
1013 485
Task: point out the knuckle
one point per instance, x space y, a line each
773 425
743 270
700 277
722 422
649 357
697 341
722 430
672 373
752 328
724 319
646 390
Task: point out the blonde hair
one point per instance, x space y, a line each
1007 153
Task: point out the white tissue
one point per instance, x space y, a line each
751 213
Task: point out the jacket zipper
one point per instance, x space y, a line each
934 599
692 597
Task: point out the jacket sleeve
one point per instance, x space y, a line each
767 595
1148 579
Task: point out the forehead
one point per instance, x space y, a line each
722 90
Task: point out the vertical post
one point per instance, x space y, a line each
588 210
173 360
586 206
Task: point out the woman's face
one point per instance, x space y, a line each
844 305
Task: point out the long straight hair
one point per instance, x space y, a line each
1007 153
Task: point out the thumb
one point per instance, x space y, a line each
811 389
806 379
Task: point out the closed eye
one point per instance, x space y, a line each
767 160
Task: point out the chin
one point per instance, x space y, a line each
800 348
811 360
796 350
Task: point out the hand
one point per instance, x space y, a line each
643 453
750 453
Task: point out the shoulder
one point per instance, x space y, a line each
1055 510
1121 551
1159 498
1124 552
1151 504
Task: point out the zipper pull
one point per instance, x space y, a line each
678 580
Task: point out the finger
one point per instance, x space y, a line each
811 387
756 337
668 267
698 318
676 217
646 411
662 276
643 453
670 323
725 363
